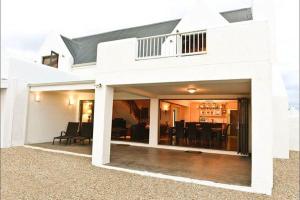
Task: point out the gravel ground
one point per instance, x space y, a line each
33 174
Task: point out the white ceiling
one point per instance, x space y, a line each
232 87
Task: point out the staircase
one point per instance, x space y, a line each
140 114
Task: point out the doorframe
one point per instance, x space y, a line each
81 101
205 149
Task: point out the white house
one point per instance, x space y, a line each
216 70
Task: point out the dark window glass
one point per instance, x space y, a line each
193 43
51 60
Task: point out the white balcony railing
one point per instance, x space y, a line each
178 44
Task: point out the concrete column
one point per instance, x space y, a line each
153 132
262 135
102 125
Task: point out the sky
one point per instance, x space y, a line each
26 24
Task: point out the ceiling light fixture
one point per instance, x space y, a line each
192 90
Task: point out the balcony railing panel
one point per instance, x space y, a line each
179 44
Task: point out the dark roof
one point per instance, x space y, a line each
244 14
84 49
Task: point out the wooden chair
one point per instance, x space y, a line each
180 135
206 134
192 133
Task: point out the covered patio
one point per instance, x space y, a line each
211 116
60 111
54 106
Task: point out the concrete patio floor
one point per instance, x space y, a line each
218 168
34 174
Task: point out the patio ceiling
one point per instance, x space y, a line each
226 87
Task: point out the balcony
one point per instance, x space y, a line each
224 50
170 45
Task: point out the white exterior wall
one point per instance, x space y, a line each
228 44
203 15
85 72
55 43
36 73
266 10
281 132
230 55
21 73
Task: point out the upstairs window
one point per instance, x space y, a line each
51 60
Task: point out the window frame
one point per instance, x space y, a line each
51 56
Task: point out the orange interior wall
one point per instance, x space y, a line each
191 113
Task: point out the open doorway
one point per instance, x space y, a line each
212 124
61 120
130 120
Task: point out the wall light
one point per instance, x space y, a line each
71 100
192 90
37 97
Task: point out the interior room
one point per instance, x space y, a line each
199 123
130 120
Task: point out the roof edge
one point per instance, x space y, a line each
179 19
228 11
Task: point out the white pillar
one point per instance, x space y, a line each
102 125
262 135
153 132
15 114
